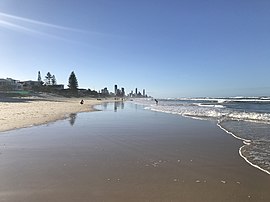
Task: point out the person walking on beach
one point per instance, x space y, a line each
81 102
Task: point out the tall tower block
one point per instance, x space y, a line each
115 89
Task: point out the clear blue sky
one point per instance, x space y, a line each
172 48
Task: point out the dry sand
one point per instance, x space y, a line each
25 112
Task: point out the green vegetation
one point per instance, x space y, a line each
73 82
48 78
53 80
39 78
18 93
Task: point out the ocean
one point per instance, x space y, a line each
245 118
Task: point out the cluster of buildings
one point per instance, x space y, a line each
120 92
10 84
137 94
117 92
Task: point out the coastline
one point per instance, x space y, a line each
130 154
244 141
27 112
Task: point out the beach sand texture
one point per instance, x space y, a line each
19 113
128 155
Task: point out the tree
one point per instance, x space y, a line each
53 80
39 77
48 78
72 81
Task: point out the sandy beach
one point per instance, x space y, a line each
128 154
25 112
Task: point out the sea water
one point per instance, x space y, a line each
245 118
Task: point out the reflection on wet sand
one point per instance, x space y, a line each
72 118
118 105
133 155
105 105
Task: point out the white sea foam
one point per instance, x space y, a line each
245 141
210 110
249 162
231 99
257 154
208 105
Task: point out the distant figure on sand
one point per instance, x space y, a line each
156 101
81 102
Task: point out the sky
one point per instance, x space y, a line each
170 48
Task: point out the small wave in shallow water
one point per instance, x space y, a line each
247 119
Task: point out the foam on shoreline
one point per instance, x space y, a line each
256 166
245 141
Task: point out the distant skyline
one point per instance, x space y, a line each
173 48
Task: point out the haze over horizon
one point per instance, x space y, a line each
176 48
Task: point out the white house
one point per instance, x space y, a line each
10 84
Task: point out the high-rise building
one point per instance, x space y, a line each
143 92
115 89
105 91
118 93
136 91
123 92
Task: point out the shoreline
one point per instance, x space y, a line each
127 155
34 111
28 112
244 141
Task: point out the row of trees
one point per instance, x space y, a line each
51 80
49 85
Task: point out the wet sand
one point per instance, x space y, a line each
126 154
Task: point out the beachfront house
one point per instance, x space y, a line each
34 85
30 85
10 84
58 87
